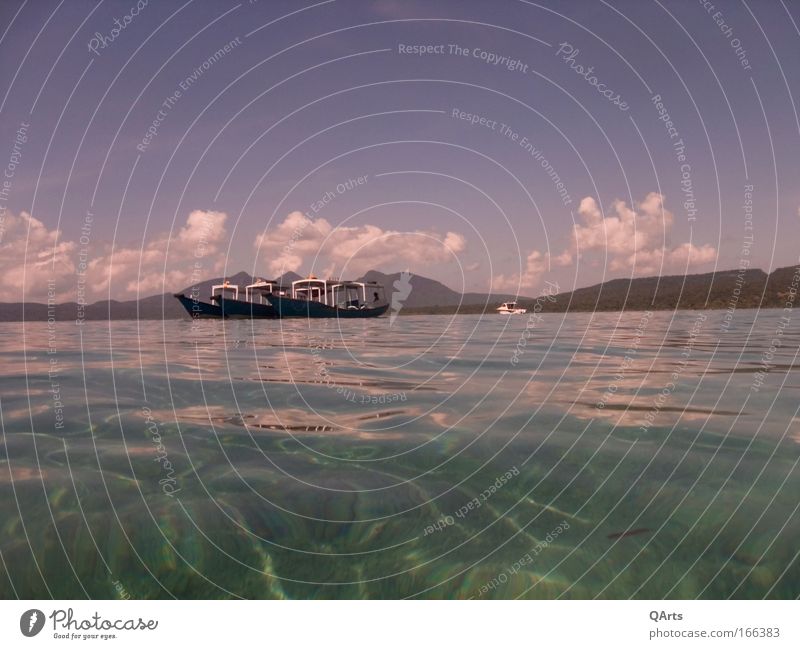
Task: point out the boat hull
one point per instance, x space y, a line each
282 307
241 309
287 307
198 309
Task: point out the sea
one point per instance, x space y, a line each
641 455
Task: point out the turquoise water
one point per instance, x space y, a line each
580 456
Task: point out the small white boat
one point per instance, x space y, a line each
510 308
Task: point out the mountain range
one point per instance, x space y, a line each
743 289
748 288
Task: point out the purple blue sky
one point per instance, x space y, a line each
309 96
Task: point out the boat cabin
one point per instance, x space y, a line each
338 293
259 291
225 290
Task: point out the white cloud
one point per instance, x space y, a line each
299 242
536 265
636 240
34 259
30 257
165 263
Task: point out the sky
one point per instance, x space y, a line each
489 145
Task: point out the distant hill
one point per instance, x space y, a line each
746 289
779 284
705 291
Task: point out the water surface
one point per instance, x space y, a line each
579 456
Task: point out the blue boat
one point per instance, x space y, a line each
256 303
307 298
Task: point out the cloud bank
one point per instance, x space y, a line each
165 262
631 240
35 260
300 243
31 255
635 240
